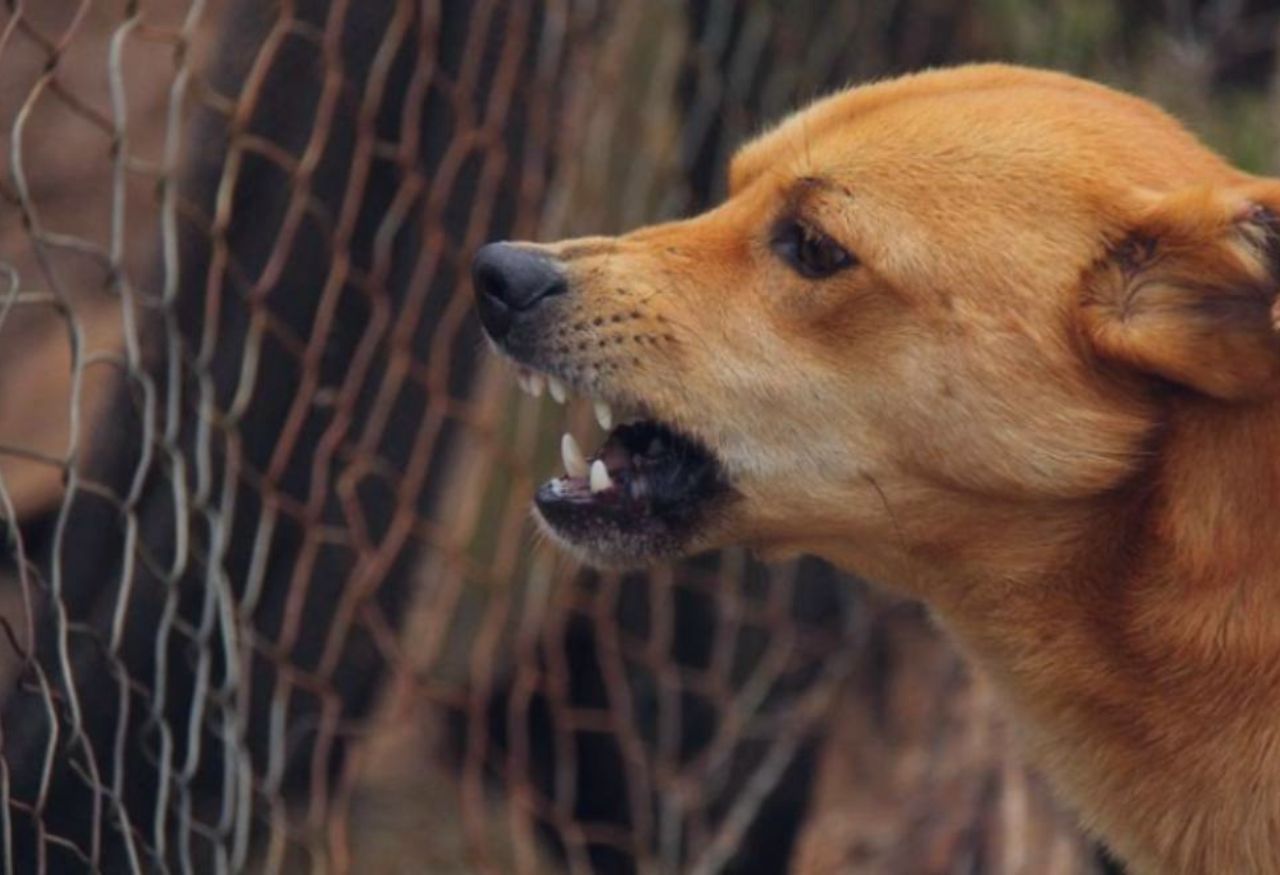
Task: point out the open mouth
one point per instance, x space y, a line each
644 494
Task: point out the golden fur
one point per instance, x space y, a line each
1044 402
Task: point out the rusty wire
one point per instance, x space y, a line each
280 510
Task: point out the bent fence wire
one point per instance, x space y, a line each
271 598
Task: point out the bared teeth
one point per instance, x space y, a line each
558 390
531 382
604 415
600 479
575 463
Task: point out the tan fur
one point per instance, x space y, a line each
1045 402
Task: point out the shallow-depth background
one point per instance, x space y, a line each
271 600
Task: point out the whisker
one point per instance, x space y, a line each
893 518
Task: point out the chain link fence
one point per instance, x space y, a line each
270 598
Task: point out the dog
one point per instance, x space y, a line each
1005 341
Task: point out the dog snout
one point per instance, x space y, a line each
511 280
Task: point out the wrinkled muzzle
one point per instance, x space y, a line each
649 492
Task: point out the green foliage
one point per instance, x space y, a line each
1133 46
1064 34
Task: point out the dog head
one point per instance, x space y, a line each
930 308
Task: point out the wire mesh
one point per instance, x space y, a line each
272 601
276 453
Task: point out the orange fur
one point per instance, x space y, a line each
1044 402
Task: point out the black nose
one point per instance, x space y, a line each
509 280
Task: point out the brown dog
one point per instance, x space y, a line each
1001 339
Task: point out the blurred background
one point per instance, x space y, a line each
270 598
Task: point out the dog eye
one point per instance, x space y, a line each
810 253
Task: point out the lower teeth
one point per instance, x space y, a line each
600 479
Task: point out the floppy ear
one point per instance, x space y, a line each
1189 294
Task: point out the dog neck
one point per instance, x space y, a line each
1147 646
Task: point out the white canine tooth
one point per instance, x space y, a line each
537 385
522 381
575 464
600 480
604 415
558 390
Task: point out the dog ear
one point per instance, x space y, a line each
1189 293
